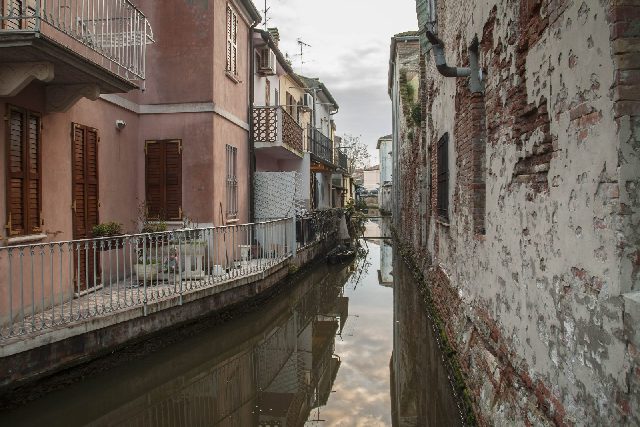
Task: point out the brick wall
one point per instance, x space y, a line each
540 307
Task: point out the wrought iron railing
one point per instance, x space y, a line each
321 145
274 125
115 29
53 284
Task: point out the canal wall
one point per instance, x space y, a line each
519 200
23 361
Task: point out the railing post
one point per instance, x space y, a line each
279 126
294 240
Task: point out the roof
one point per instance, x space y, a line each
253 11
315 83
268 38
384 138
373 168
407 36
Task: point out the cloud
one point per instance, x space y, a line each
349 51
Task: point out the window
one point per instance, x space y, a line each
232 41
232 182
163 179
277 96
24 171
443 177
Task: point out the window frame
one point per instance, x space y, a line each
28 229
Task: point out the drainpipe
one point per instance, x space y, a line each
252 149
473 72
437 47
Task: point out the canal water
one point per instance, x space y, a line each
349 345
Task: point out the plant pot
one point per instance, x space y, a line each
146 271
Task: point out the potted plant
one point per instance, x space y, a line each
106 230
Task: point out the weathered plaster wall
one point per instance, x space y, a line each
535 303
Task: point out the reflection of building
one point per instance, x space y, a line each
270 368
385 274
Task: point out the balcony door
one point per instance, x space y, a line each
85 204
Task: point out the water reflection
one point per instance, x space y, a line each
422 394
271 368
317 354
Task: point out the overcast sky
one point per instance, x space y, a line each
349 52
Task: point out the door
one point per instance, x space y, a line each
85 204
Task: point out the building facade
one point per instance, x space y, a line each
385 155
516 173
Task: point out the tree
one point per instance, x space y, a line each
357 151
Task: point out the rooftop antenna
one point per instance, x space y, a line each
302 45
266 17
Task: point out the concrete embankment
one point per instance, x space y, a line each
24 360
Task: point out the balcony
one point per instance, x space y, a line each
277 133
341 161
321 147
76 47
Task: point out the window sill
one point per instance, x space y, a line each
233 78
25 239
232 221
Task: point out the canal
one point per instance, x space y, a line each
347 345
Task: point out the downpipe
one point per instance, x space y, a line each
473 72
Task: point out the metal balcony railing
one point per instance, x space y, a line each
49 285
274 125
52 284
115 29
320 145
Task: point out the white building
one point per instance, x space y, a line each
371 178
385 152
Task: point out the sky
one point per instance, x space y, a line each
349 52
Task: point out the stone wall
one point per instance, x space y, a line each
537 268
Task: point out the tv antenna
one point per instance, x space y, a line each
266 12
302 45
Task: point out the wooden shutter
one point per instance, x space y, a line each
229 37
85 182
443 176
93 198
163 179
232 41
173 179
24 197
78 180
34 195
16 222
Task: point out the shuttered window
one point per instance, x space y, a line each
232 182
163 179
232 41
24 171
443 177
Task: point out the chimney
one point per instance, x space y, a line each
275 34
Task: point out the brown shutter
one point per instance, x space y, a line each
163 179
16 167
173 180
78 180
93 197
154 179
34 202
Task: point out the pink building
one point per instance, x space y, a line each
83 143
